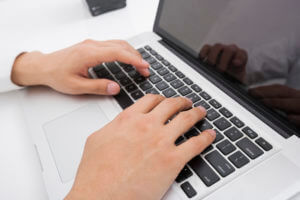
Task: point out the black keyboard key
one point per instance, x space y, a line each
215 103
169 92
177 84
264 144
238 159
233 134
248 131
184 174
225 112
156 65
137 94
162 85
102 73
221 165
219 137
212 115
155 79
203 170
120 76
188 190
145 55
196 88
191 133
208 149
159 57
184 91
180 74
163 71
222 124
226 147
249 148
131 88
179 140
188 81
152 73
166 63
203 104
169 77
150 60
153 52
123 99
152 91
98 68
113 67
172 68
205 95
133 74
125 81
128 68
204 125
141 50
145 85
193 97
236 121
139 79
148 47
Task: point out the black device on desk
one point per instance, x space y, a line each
98 7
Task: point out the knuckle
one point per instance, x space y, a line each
218 46
88 42
187 117
155 97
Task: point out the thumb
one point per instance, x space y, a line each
98 86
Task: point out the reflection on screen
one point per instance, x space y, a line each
255 41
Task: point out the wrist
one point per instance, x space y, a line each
28 69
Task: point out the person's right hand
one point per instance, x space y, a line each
227 58
67 70
134 157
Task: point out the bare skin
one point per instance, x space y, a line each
67 70
134 156
131 158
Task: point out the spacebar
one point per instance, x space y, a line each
203 170
123 99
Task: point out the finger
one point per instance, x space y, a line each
97 86
184 121
226 58
289 105
169 107
274 91
214 54
110 54
195 145
147 103
295 119
205 51
126 45
240 58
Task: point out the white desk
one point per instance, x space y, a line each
47 26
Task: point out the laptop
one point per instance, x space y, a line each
256 151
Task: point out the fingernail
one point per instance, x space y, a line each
145 72
189 100
144 62
112 88
212 132
202 109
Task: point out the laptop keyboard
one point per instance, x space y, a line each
235 145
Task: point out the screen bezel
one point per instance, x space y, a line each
262 110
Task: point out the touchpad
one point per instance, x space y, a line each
67 134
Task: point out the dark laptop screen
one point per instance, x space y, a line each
255 41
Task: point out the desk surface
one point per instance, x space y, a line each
48 26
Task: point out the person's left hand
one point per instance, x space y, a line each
280 97
66 70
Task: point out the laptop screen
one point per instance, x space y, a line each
257 42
